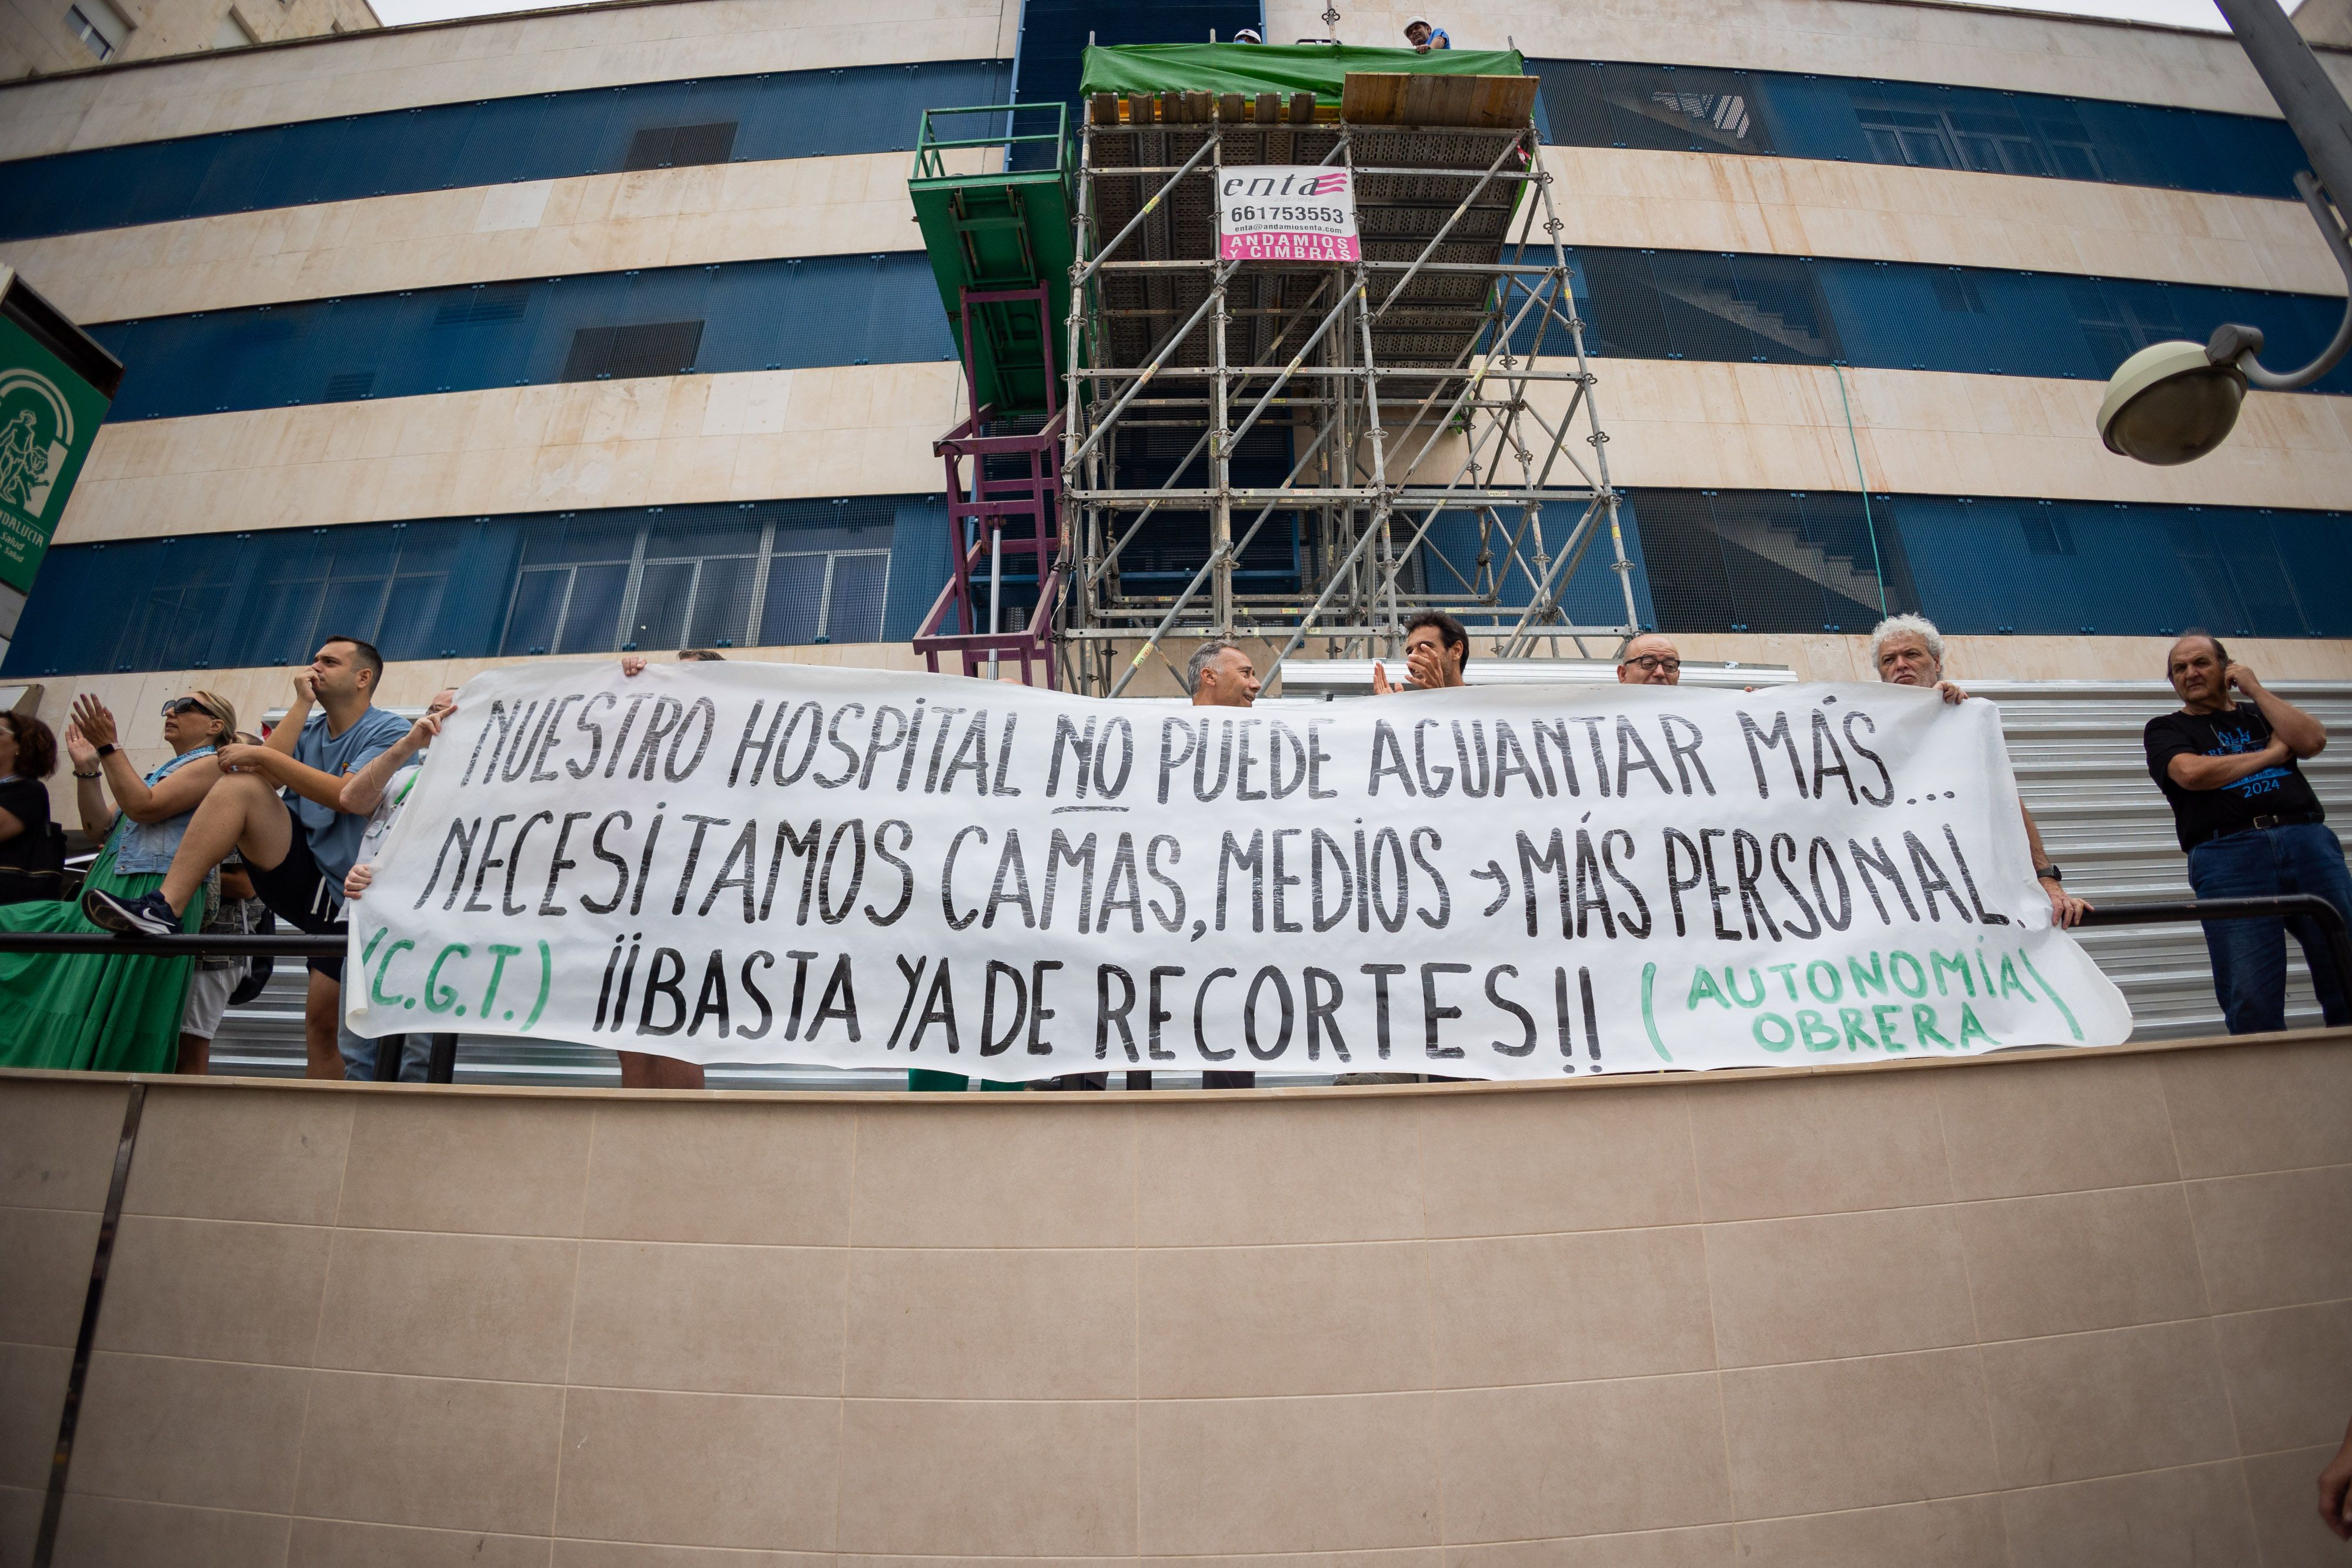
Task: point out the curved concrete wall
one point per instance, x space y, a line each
2060 1308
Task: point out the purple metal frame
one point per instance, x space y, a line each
980 508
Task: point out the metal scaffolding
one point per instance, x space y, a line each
1432 390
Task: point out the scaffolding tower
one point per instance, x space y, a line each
1308 433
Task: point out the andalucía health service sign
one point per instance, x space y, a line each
54 385
746 862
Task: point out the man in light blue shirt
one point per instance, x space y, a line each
280 806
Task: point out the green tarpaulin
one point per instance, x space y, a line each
1285 68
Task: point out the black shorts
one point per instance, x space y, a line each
297 891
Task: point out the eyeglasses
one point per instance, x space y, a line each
179 706
1657 662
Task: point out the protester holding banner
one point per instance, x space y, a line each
1909 652
103 1011
379 792
279 807
2251 828
1650 660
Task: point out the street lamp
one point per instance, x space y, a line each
2176 402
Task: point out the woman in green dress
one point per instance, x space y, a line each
112 1012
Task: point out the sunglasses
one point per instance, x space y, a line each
179 706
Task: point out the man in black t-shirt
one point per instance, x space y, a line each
2252 827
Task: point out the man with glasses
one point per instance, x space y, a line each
279 805
1650 660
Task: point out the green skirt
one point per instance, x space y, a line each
98 1012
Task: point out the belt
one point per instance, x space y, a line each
2281 819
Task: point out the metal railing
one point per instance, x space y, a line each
929 144
2330 920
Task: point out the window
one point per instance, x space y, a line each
597 588
100 27
676 146
857 568
624 353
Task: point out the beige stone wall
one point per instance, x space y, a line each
1906 40
552 51
1691 424
868 430
1876 212
841 429
2072 1310
480 233
848 205
35 40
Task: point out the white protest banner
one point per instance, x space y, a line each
1286 212
748 862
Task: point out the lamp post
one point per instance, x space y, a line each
2176 402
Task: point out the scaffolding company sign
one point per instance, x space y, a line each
1286 212
866 868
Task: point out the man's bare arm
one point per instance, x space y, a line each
2216 772
2303 735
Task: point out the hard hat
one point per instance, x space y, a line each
1412 21
1248 35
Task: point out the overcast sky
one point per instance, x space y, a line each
2179 13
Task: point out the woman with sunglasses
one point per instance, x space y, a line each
105 1012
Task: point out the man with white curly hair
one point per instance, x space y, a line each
1909 652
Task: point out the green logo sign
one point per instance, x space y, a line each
49 417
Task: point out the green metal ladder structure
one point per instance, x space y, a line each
1000 242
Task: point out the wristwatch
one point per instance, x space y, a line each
2049 873
109 749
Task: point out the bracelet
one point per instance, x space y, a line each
79 774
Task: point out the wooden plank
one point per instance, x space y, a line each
1498 102
1450 99
1420 105
1230 109
1374 97
1104 108
1302 108
1202 105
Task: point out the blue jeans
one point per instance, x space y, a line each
359 1053
2249 955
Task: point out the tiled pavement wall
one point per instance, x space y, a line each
2053 1309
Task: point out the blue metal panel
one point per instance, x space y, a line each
1773 561
543 136
1775 309
1594 103
755 314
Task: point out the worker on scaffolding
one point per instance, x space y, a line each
1425 36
